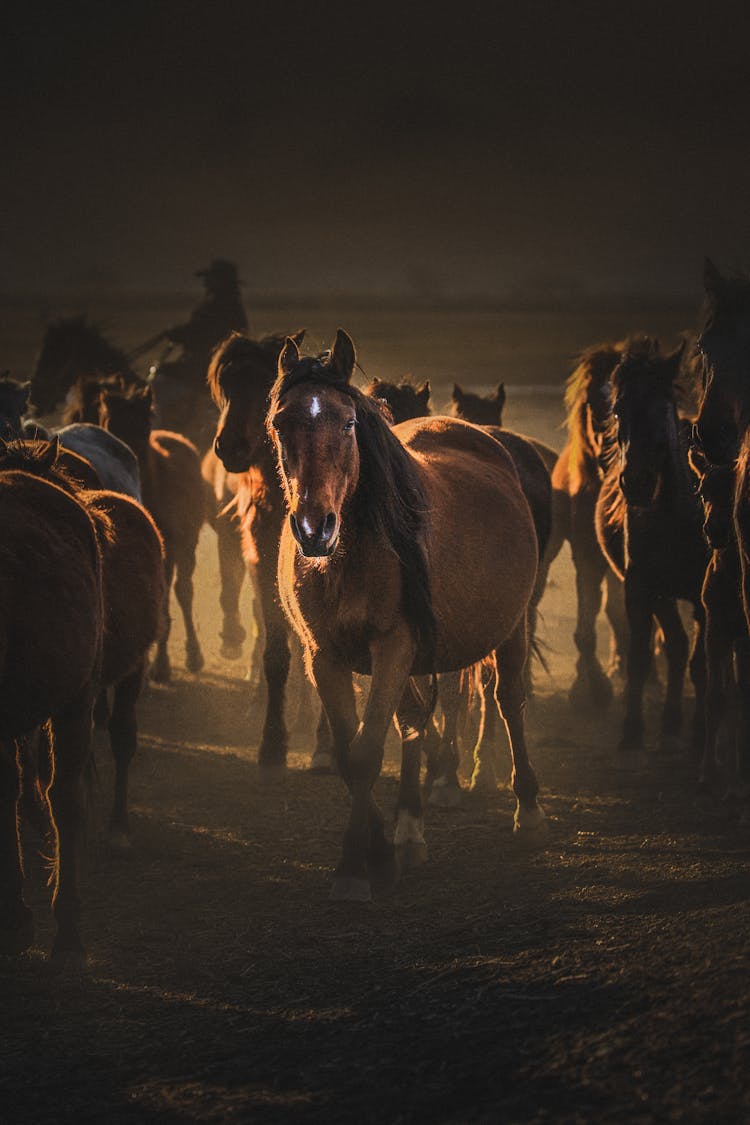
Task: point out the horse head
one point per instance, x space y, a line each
14 402
313 420
240 377
403 399
128 415
72 347
724 344
482 410
645 415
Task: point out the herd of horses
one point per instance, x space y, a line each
381 540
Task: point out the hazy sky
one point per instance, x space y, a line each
568 147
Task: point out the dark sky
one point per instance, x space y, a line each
561 147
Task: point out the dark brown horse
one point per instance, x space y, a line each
577 477
383 526
83 400
241 375
51 633
174 493
650 527
726 636
73 347
133 591
404 400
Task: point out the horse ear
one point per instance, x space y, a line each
299 336
457 393
25 390
674 359
500 395
288 356
712 279
343 355
376 384
48 452
422 394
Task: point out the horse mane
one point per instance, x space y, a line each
726 301
238 350
575 398
389 497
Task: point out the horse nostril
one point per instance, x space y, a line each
217 446
329 526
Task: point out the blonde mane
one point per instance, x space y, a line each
596 363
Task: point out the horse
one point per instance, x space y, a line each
132 556
727 642
576 480
51 635
73 347
649 523
482 410
173 492
384 524
241 375
404 400
82 401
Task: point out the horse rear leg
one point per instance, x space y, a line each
697 667
232 575
412 715
183 588
161 670
486 750
676 651
614 607
529 824
71 732
445 790
16 920
123 735
640 616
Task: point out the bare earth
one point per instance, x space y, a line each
603 979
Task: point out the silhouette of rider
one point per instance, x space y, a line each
218 314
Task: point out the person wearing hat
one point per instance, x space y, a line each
218 314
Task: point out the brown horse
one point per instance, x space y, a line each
241 375
133 587
174 493
51 632
384 525
726 634
404 400
577 477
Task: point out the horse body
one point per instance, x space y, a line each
649 526
115 462
51 631
385 527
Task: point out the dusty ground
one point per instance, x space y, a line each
603 979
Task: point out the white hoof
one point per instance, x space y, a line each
349 888
530 827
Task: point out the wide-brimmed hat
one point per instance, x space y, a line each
220 270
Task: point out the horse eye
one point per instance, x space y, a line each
349 425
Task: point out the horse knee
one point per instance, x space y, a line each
276 658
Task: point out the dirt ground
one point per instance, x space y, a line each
602 979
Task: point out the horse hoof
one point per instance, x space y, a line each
350 888
530 828
272 774
483 781
385 871
411 854
119 842
70 963
322 762
194 661
160 672
231 651
444 796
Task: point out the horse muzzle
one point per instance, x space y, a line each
236 457
315 541
639 489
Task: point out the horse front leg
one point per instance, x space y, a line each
183 588
231 575
123 739
276 660
445 789
16 920
486 750
697 667
529 823
676 650
614 608
592 685
161 670
72 749
639 610
412 716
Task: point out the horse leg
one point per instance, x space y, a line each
412 716
591 685
276 659
232 575
71 749
322 760
16 920
716 669
183 588
697 667
676 651
445 788
614 607
640 615
529 824
743 728
161 670
484 775
33 806
123 735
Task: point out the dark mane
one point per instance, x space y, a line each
238 351
726 301
389 497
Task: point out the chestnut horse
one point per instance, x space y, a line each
51 632
174 493
383 526
650 527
